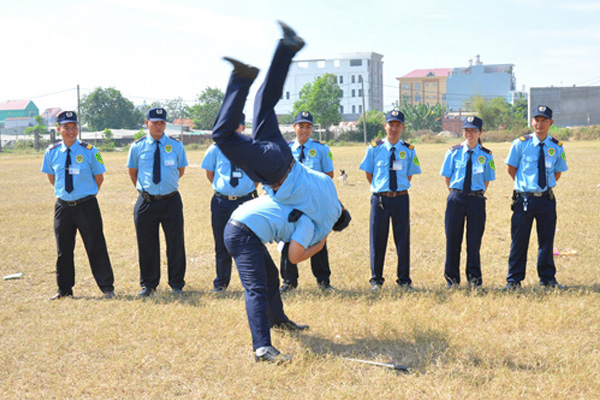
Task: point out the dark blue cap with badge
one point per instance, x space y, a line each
542 111
394 115
156 114
472 123
303 116
65 117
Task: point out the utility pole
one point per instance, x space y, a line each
362 84
79 112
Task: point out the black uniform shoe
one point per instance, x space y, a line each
290 326
60 295
219 289
109 294
270 354
326 287
146 292
406 286
242 70
553 285
287 288
290 38
176 291
512 286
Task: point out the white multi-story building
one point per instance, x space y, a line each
352 70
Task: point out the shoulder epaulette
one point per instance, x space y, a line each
486 150
174 138
86 145
556 141
376 143
526 137
140 139
458 146
317 141
410 146
54 145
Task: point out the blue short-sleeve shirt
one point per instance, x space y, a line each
377 162
317 156
523 155
172 157
455 166
215 161
86 163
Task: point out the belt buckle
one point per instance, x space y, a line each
538 194
72 203
232 198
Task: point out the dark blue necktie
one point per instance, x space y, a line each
301 158
468 172
233 180
393 178
542 168
68 176
156 168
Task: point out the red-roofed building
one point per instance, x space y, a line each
425 86
50 115
18 109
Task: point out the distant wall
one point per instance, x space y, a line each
571 106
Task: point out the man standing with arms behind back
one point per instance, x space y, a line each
156 162
76 170
389 165
535 162
316 156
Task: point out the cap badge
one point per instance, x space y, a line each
304 114
395 113
542 108
470 119
69 114
159 111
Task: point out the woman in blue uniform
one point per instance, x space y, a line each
468 169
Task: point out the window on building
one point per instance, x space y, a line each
405 86
342 94
427 85
360 109
417 86
341 109
287 95
341 79
302 64
434 84
353 79
353 93
417 97
359 78
355 63
353 109
359 92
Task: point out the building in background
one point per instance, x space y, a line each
571 106
18 109
351 70
49 116
488 81
424 86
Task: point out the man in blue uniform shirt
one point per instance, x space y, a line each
156 162
389 165
76 170
468 169
316 156
535 162
232 187
291 212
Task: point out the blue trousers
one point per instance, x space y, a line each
382 210
458 208
543 211
86 218
260 279
266 156
221 210
147 217
319 264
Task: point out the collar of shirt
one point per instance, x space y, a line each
63 146
297 144
465 147
536 141
151 140
389 146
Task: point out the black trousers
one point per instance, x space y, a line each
319 264
147 217
86 218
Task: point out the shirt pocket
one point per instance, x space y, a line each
530 163
382 166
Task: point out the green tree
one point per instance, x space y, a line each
204 112
37 130
139 134
107 108
422 117
375 121
109 143
497 114
322 99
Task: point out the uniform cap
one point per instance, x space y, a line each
66 116
156 114
394 115
473 123
542 111
303 116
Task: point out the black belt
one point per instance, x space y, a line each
251 195
393 194
241 225
472 193
162 196
548 193
74 203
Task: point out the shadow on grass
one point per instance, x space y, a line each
419 350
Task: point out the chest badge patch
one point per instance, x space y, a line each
312 152
168 148
402 155
79 159
481 160
551 152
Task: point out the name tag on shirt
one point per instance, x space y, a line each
236 174
73 170
478 170
548 164
169 162
397 166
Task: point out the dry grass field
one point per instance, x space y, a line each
533 344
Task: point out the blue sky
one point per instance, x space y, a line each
159 49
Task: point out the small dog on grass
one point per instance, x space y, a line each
343 177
